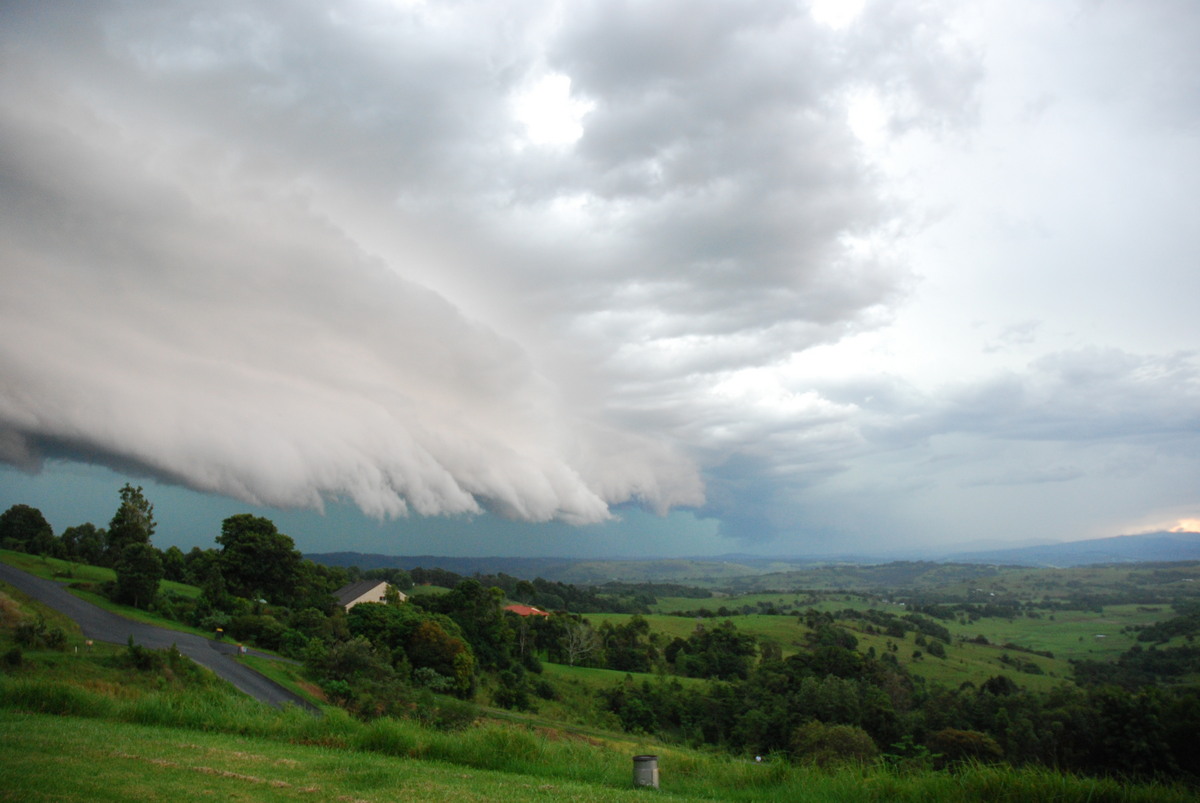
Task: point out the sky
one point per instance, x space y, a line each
603 278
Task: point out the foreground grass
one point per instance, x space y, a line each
67 758
71 758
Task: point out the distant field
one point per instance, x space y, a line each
1068 634
603 678
426 590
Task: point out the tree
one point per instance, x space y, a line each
133 523
139 571
85 543
174 565
256 558
477 611
24 528
579 641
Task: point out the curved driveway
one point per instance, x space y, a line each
102 625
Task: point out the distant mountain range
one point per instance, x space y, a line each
1148 548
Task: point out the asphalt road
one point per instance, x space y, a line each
101 625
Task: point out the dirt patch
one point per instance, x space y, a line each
204 770
556 735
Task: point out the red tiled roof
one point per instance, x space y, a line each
525 610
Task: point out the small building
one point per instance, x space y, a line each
525 610
364 591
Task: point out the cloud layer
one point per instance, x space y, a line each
539 260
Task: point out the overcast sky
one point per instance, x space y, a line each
600 278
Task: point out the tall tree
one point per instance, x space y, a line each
257 559
133 523
139 571
24 528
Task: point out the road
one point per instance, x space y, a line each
102 625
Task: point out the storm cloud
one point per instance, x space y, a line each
544 259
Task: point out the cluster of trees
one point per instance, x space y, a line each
780 704
124 546
253 567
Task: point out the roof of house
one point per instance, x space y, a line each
525 610
352 591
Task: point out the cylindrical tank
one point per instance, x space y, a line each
645 771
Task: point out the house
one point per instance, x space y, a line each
525 610
364 591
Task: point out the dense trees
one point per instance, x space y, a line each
85 543
478 612
719 652
415 639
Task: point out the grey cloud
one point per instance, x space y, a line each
1092 393
164 311
294 253
1033 475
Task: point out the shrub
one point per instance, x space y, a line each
830 745
953 746
34 633
12 659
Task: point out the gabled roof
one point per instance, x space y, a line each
526 610
348 593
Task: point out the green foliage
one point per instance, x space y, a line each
478 612
719 652
953 746
414 637
627 647
25 529
85 543
257 560
133 523
35 633
139 571
829 745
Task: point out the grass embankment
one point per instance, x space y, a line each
73 758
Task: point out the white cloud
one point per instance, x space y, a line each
543 259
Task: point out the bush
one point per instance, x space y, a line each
34 633
830 745
952 746
12 659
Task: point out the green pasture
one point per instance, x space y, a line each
426 590
1067 634
735 602
1071 634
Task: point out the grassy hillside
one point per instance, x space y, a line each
92 725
